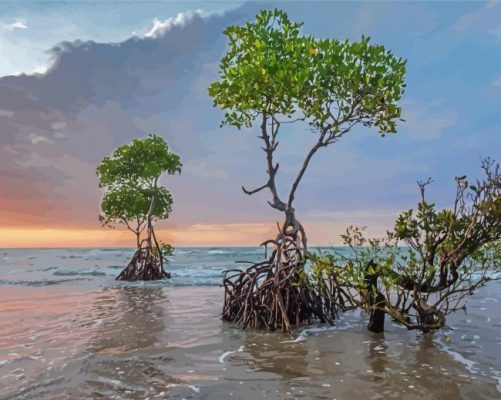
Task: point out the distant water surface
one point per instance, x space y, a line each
68 330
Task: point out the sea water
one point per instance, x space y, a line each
68 330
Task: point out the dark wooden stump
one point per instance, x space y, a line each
376 319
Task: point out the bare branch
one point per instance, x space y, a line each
250 192
422 187
270 145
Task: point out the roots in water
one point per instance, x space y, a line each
277 293
145 265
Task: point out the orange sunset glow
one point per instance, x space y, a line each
191 236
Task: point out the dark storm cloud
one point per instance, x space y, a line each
55 127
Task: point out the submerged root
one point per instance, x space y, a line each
145 265
277 293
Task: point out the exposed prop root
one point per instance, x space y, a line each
277 293
145 265
429 317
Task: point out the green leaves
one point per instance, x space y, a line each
166 249
330 83
138 164
124 204
433 258
258 73
129 177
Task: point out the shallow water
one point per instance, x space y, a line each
69 331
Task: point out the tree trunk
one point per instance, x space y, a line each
147 262
376 300
138 240
276 293
376 319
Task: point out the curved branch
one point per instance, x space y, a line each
251 192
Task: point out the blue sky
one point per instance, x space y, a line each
148 70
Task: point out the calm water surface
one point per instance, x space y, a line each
69 331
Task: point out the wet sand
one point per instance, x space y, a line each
160 342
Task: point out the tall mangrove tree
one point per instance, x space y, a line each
273 75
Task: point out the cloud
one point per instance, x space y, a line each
160 28
40 69
497 82
57 126
6 113
351 215
484 19
17 24
219 234
35 139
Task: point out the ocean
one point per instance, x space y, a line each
68 330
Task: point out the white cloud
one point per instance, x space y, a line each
161 27
18 24
484 19
58 125
35 139
40 69
497 82
6 113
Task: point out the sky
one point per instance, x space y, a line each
79 78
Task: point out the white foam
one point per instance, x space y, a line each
218 252
223 356
194 388
310 331
469 364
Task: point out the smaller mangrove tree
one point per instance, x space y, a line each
134 198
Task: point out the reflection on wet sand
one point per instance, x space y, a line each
132 318
158 342
124 349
